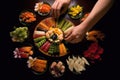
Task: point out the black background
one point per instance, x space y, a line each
14 69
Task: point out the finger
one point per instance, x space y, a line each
69 38
68 30
67 33
52 12
75 41
54 8
58 10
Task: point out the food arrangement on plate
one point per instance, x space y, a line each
49 37
23 52
19 34
27 17
57 68
43 8
37 65
77 64
75 12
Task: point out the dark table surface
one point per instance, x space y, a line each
16 69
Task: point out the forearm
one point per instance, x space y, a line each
99 10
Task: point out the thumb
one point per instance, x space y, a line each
68 30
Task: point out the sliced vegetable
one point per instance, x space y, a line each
53 48
62 49
40 43
66 25
61 23
36 40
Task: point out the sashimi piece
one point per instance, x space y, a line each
25 49
45 46
43 26
38 34
49 22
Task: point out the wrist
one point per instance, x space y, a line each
69 1
83 27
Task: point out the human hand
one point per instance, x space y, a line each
75 35
58 5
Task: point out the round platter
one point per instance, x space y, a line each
48 36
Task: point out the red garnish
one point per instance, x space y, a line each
94 52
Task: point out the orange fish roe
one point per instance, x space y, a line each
45 8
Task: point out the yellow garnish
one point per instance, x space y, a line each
74 10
